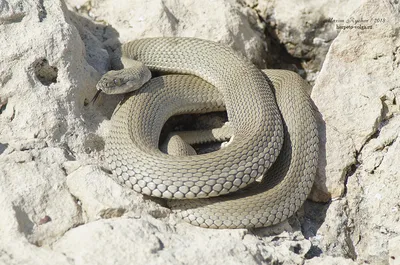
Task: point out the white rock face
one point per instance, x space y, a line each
360 92
234 25
394 246
58 205
357 95
330 261
125 240
304 28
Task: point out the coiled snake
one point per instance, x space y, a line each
204 76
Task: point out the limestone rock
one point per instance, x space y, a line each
234 25
330 261
349 96
34 199
101 197
306 29
356 94
394 246
143 239
373 194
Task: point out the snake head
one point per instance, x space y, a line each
119 82
123 81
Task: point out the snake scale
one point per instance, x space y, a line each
205 76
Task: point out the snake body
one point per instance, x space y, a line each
214 78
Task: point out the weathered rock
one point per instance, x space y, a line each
330 261
142 239
350 82
44 83
332 236
101 197
356 94
306 29
373 194
34 201
394 255
234 25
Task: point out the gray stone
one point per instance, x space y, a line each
356 94
349 94
394 255
330 261
305 29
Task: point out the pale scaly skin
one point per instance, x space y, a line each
132 147
287 183
179 143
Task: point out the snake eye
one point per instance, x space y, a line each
117 81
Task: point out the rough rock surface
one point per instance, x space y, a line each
58 205
234 25
362 98
302 29
357 94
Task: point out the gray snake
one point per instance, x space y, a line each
204 76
